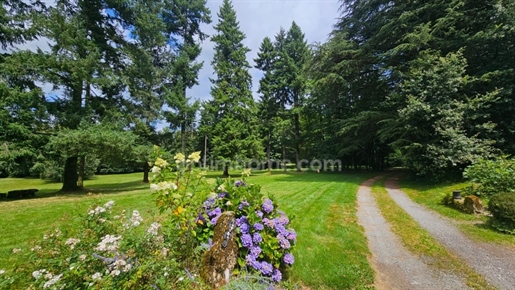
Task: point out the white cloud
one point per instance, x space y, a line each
261 18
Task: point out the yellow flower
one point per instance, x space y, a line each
194 157
161 162
179 157
246 172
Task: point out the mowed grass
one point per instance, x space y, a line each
23 220
331 250
476 226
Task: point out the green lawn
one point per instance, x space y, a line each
331 248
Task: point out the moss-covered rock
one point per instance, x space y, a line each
219 261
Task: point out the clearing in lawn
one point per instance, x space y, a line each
331 250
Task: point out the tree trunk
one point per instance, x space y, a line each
70 175
226 170
269 163
183 135
284 158
183 122
146 167
297 142
80 178
205 151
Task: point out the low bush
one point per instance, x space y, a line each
489 177
502 207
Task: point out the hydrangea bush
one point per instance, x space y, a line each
264 236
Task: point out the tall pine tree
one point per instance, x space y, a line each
234 135
268 105
183 18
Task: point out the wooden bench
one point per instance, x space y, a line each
19 193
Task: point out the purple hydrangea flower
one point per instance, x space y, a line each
268 206
288 259
266 268
255 251
239 183
208 203
259 227
214 220
283 242
269 223
277 275
256 238
244 228
251 260
200 217
222 194
241 220
292 235
280 228
216 212
259 214
283 219
246 240
243 204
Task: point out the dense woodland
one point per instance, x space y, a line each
424 84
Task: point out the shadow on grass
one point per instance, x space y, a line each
104 188
312 176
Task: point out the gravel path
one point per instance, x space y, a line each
395 266
494 262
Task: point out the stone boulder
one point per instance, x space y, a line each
219 261
472 204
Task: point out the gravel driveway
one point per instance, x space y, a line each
496 263
395 266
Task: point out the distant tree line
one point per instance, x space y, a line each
423 84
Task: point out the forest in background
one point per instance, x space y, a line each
428 86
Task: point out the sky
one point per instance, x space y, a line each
257 19
261 18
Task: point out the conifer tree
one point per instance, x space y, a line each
268 105
234 135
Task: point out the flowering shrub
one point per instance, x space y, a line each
107 251
265 240
121 251
179 188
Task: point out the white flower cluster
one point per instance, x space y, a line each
136 218
100 209
37 274
164 251
96 276
109 243
35 249
109 204
119 266
16 250
52 279
72 242
154 229
2 271
97 210
163 186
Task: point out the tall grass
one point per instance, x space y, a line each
331 250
